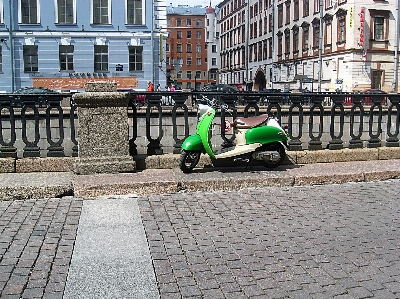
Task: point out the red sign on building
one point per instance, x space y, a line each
362 26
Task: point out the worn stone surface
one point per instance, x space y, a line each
50 164
146 182
329 156
387 153
100 86
35 185
7 165
103 131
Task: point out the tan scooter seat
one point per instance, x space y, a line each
250 122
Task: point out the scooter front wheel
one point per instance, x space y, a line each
189 160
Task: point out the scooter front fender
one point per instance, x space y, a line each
193 143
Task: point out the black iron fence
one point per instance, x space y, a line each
45 125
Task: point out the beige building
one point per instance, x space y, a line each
319 45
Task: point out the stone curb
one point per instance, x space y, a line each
170 161
154 181
161 180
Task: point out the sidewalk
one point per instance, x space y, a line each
156 181
325 239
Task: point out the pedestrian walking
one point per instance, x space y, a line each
150 86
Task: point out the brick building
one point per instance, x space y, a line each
321 45
186 48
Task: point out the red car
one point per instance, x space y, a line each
368 100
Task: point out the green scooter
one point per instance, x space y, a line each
258 138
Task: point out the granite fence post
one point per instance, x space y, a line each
103 137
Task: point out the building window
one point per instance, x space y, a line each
379 25
306 8
1 59
328 4
65 12
198 34
135 58
296 10
100 11
198 61
179 48
280 42
100 58
213 61
199 23
270 47
341 29
295 41
30 54
189 34
188 22
316 6
316 36
189 48
29 12
189 61
280 15
328 33
287 16
305 39
287 42
179 34
134 9
189 75
198 48
66 56
178 22
270 24
214 48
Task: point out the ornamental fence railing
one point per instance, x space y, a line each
46 125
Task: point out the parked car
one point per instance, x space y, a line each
368 100
223 88
220 88
35 90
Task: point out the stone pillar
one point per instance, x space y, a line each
103 137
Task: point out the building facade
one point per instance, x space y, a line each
62 44
315 45
186 47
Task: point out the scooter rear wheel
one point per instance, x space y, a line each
276 146
189 160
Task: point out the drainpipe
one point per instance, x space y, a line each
321 15
396 49
246 48
10 38
273 43
152 42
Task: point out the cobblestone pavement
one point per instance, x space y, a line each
323 241
327 241
36 244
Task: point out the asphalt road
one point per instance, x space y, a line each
321 241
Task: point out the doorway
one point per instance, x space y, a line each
376 82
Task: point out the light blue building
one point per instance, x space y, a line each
61 44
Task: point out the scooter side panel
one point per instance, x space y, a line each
193 143
265 134
203 131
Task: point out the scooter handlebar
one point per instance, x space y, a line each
213 103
